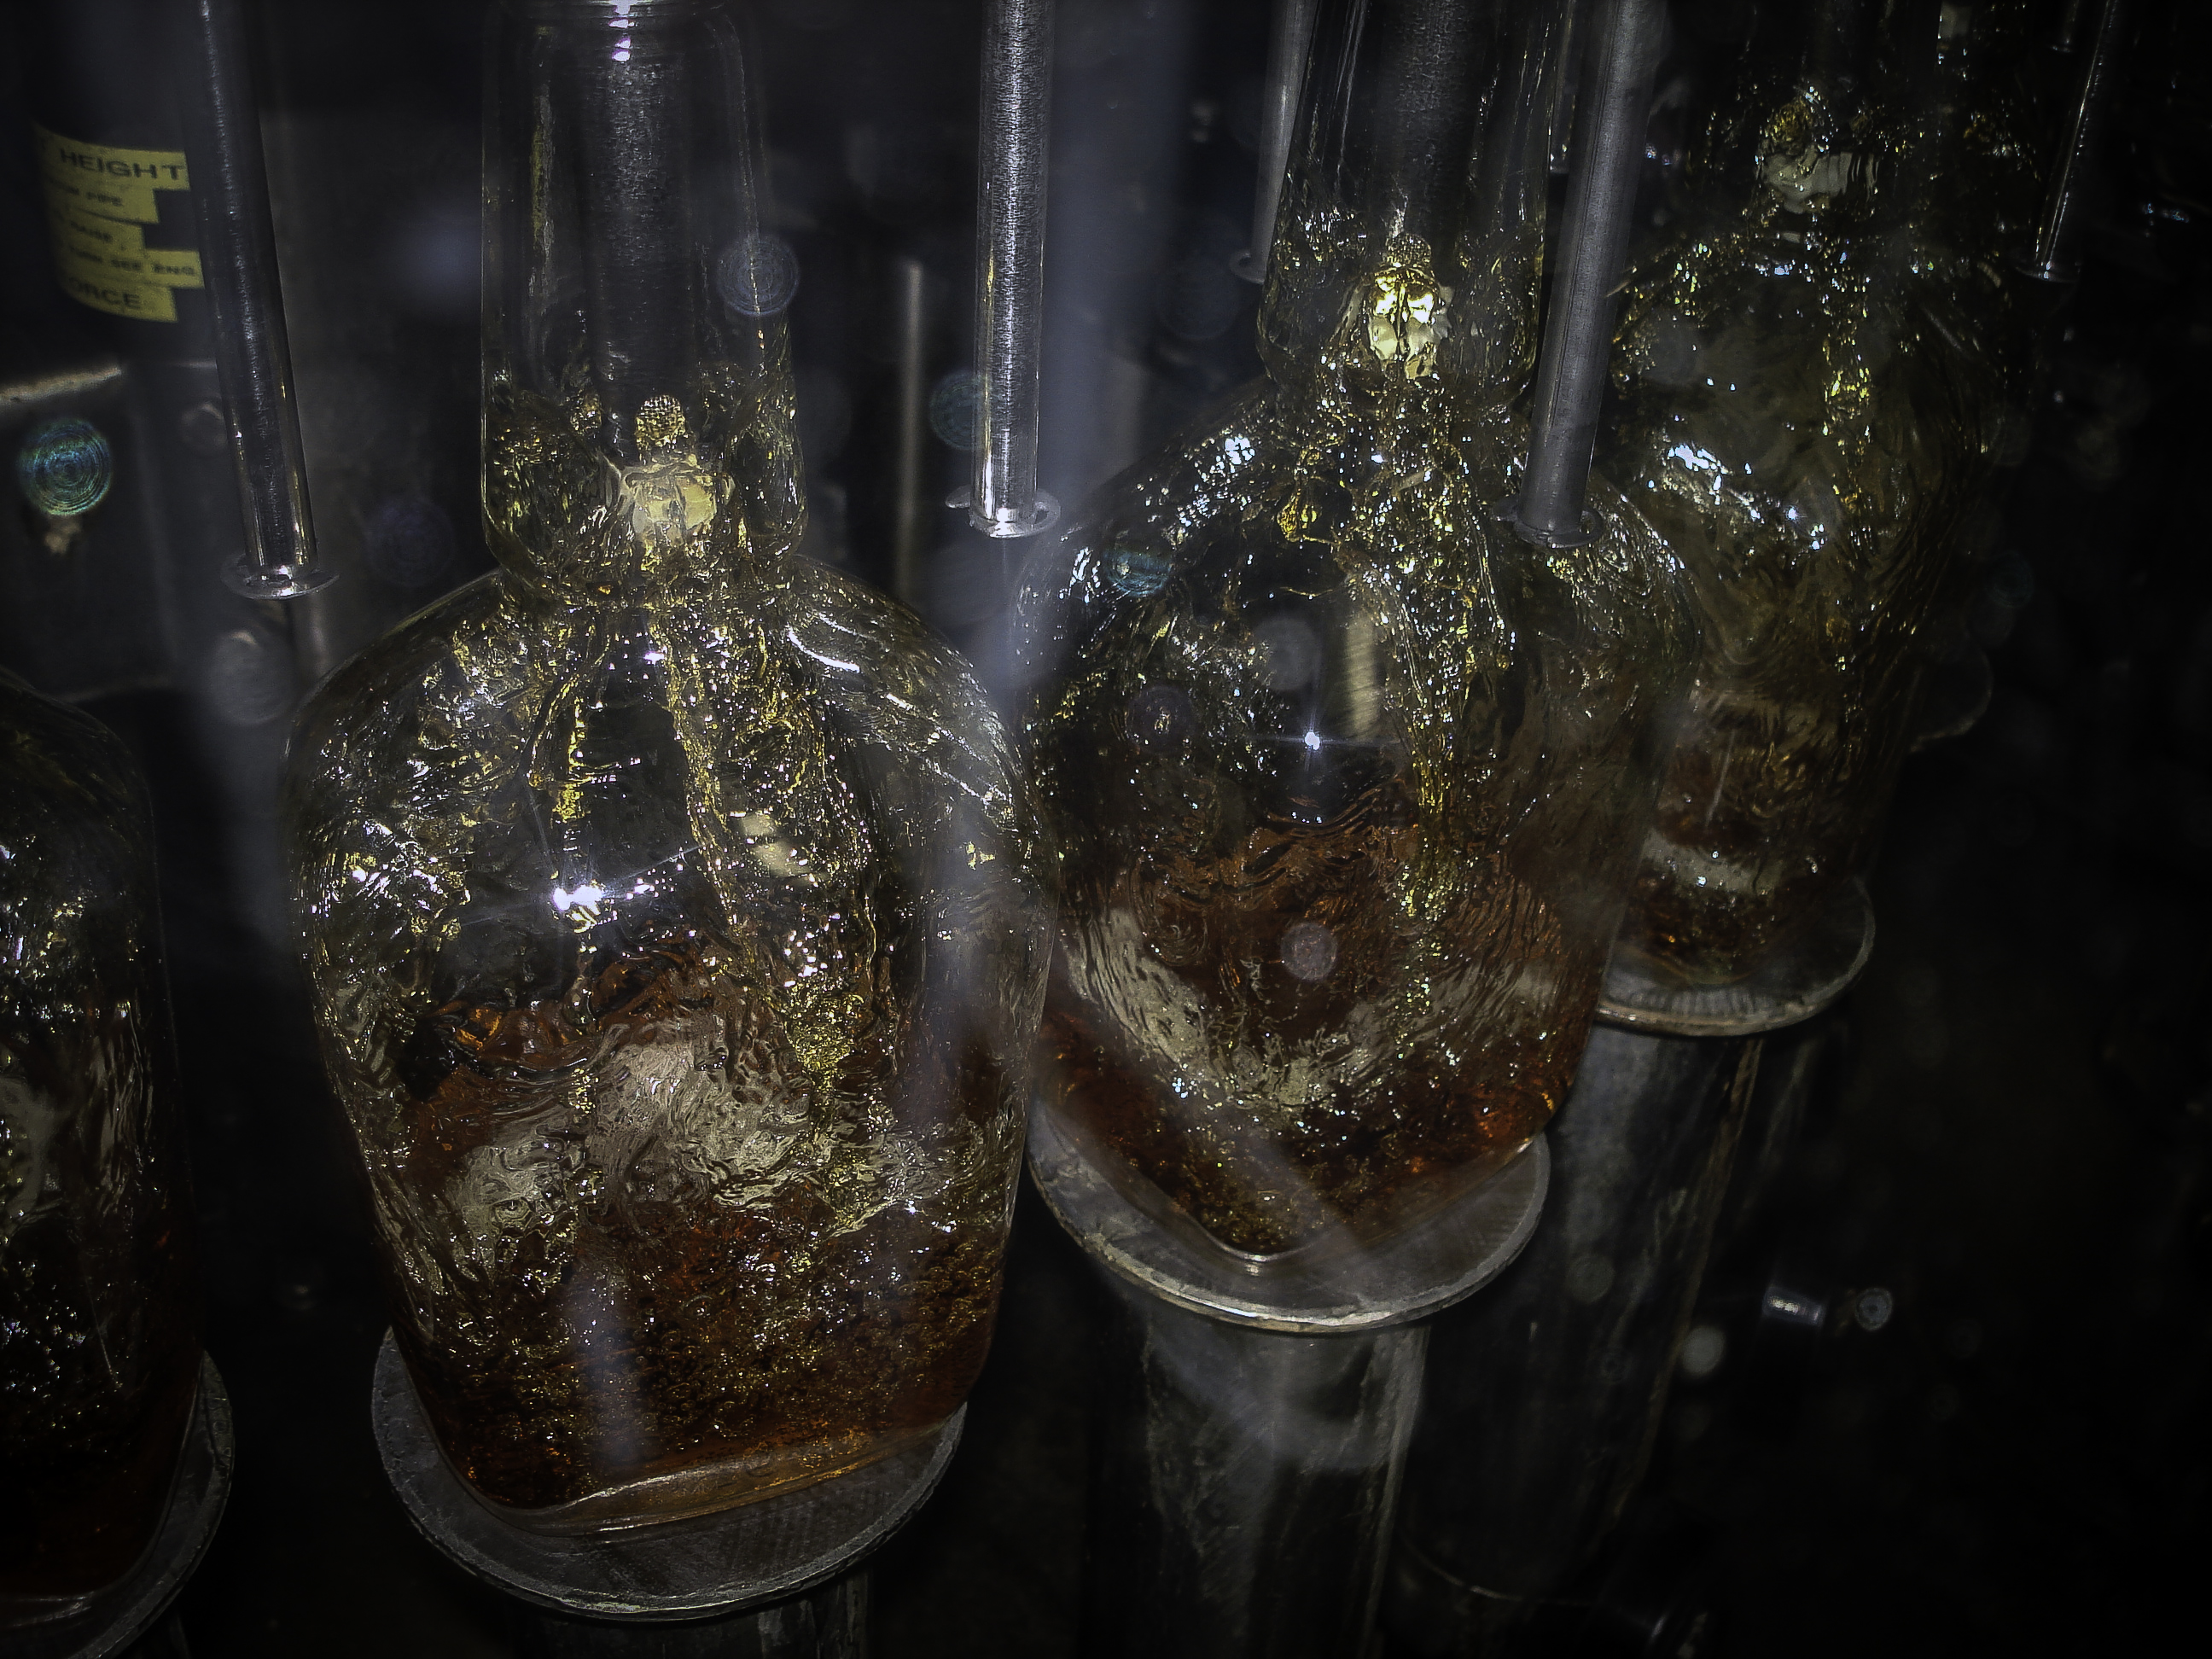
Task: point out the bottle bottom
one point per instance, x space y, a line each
1321 1243
89 1521
702 1489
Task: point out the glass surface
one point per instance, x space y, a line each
1348 778
675 925
99 1341
1819 374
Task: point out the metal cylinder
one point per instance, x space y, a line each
1290 32
1543 1394
909 337
1612 107
238 256
830 1623
1003 499
2057 254
1245 1483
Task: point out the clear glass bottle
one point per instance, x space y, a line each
99 1350
1811 404
1348 778
675 923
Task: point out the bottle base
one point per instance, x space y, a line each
1644 990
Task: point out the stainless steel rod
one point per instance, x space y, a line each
1289 35
909 320
1613 107
238 251
1009 213
2057 255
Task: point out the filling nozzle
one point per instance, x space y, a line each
1614 107
1289 35
239 254
1004 500
2056 256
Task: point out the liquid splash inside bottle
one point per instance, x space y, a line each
1817 377
100 1352
1348 778
674 919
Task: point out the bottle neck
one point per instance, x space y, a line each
1796 146
1407 244
638 414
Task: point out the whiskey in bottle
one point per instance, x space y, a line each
99 1352
1812 395
1348 778
676 925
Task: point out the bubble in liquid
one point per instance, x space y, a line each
409 541
757 275
1293 652
64 466
955 409
1308 951
1160 719
1138 572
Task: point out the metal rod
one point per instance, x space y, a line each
1613 110
1246 1485
1543 1394
237 249
909 323
1010 209
2057 255
1289 34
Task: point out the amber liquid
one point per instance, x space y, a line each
87 1484
1301 927
687 1354
99 1344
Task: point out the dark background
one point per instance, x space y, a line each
2010 1129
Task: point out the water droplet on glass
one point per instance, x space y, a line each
1590 1276
1138 572
1703 1350
249 677
757 275
1160 718
1197 299
1308 951
1293 652
64 466
1873 1308
955 409
409 541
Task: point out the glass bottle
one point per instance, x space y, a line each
1347 777
99 1352
674 921
1808 412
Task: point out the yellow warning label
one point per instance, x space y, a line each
98 199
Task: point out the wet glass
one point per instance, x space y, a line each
1819 374
1348 778
100 1354
675 922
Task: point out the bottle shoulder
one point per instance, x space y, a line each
486 696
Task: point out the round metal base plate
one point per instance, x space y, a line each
1643 995
119 1615
1451 1254
745 1556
